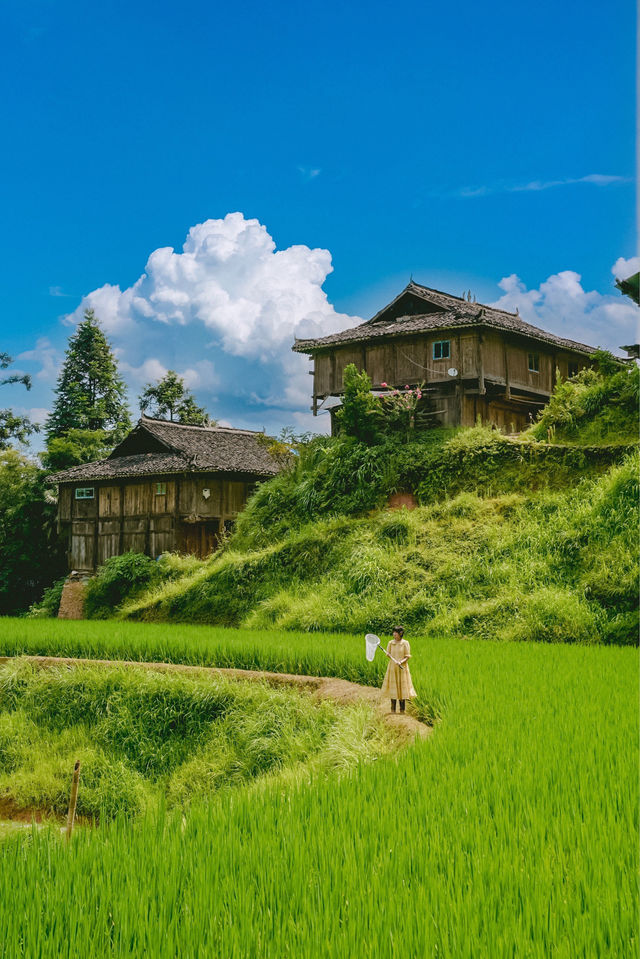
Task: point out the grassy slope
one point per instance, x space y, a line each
143 736
554 564
508 833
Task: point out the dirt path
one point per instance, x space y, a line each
324 687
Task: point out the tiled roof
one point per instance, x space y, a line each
189 449
452 313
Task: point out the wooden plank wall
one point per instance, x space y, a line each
135 516
398 362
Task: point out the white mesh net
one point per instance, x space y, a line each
372 642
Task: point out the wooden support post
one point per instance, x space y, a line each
481 388
73 799
458 404
177 545
121 518
96 527
506 371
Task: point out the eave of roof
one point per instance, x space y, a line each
455 313
148 464
187 449
410 325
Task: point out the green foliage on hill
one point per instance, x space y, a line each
339 476
597 405
123 577
560 566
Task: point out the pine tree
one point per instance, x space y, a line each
90 394
169 397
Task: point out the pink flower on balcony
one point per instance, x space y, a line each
383 384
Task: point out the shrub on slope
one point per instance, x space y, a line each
560 566
338 476
598 405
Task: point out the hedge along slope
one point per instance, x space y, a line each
556 565
343 477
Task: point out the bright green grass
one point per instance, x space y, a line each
143 736
557 566
512 831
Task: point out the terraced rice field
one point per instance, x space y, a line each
511 831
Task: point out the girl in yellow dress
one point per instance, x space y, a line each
397 681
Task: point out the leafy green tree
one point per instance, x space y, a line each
76 447
90 394
170 398
11 425
361 412
31 553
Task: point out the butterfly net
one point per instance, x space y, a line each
372 642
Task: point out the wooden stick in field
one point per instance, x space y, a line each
73 799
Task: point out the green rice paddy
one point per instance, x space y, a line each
511 831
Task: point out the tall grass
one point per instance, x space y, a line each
596 406
512 831
557 566
143 735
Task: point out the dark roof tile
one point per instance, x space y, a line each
189 449
453 313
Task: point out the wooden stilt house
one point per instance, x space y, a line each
164 487
474 360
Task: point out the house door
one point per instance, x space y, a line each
200 539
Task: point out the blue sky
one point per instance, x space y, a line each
462 143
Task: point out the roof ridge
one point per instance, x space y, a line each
461 299
197 426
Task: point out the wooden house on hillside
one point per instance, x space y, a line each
164 487
473 360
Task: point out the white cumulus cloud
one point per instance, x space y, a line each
229 294
561 305
230 278
46 356
622 269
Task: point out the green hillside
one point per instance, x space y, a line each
528 537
